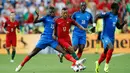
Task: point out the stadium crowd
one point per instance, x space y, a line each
25 11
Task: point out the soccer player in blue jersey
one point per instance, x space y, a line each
47 40
83 18
108 35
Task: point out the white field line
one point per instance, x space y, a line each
116 55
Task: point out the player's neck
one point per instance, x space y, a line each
12 20
64 17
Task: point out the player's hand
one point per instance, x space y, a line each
54 37
6 32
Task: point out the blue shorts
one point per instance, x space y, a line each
44 42
106 40
78 39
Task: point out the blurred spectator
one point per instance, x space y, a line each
59 5
104 6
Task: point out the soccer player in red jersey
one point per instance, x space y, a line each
62 27
10 30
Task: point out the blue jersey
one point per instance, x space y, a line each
110 21
82 19
48 26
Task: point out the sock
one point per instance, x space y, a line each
26 59
13 54
97 47
79 54
69 58
109 54
75 56
102 58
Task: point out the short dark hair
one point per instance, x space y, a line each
64 8
51 8
115 6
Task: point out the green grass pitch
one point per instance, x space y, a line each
50 64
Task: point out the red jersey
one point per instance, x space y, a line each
11 27
63 26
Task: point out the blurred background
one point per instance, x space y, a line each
30 33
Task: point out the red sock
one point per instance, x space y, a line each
69 58
102 58
109 54
79 54
27 58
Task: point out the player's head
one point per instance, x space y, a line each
51 11
83 6
115 8
64 12
12 15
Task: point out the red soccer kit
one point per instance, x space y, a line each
62 28
11 35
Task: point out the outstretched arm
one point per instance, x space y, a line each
79 26
36 19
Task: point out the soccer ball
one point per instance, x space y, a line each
75 68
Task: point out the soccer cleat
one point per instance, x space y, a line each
60 57
106 67
97 67
18 68
75 68
81 61
11 61
82 67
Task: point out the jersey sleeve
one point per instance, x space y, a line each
42 18
73 16
91 19
103 14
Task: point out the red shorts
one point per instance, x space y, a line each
11 40
65 42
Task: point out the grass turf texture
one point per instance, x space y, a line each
50 64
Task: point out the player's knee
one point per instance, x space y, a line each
71 49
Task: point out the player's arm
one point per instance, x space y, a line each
120 26
54 32
4 28
79 26
18 27
36 19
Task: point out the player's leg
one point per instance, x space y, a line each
66 43
27 58
14 41
102 56
8 44
108 56
75 41
98 42
82 42
40 45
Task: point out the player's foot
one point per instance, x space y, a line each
75 68
106 67
81 61
82 67
97 67
60 57
18 68
11 61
